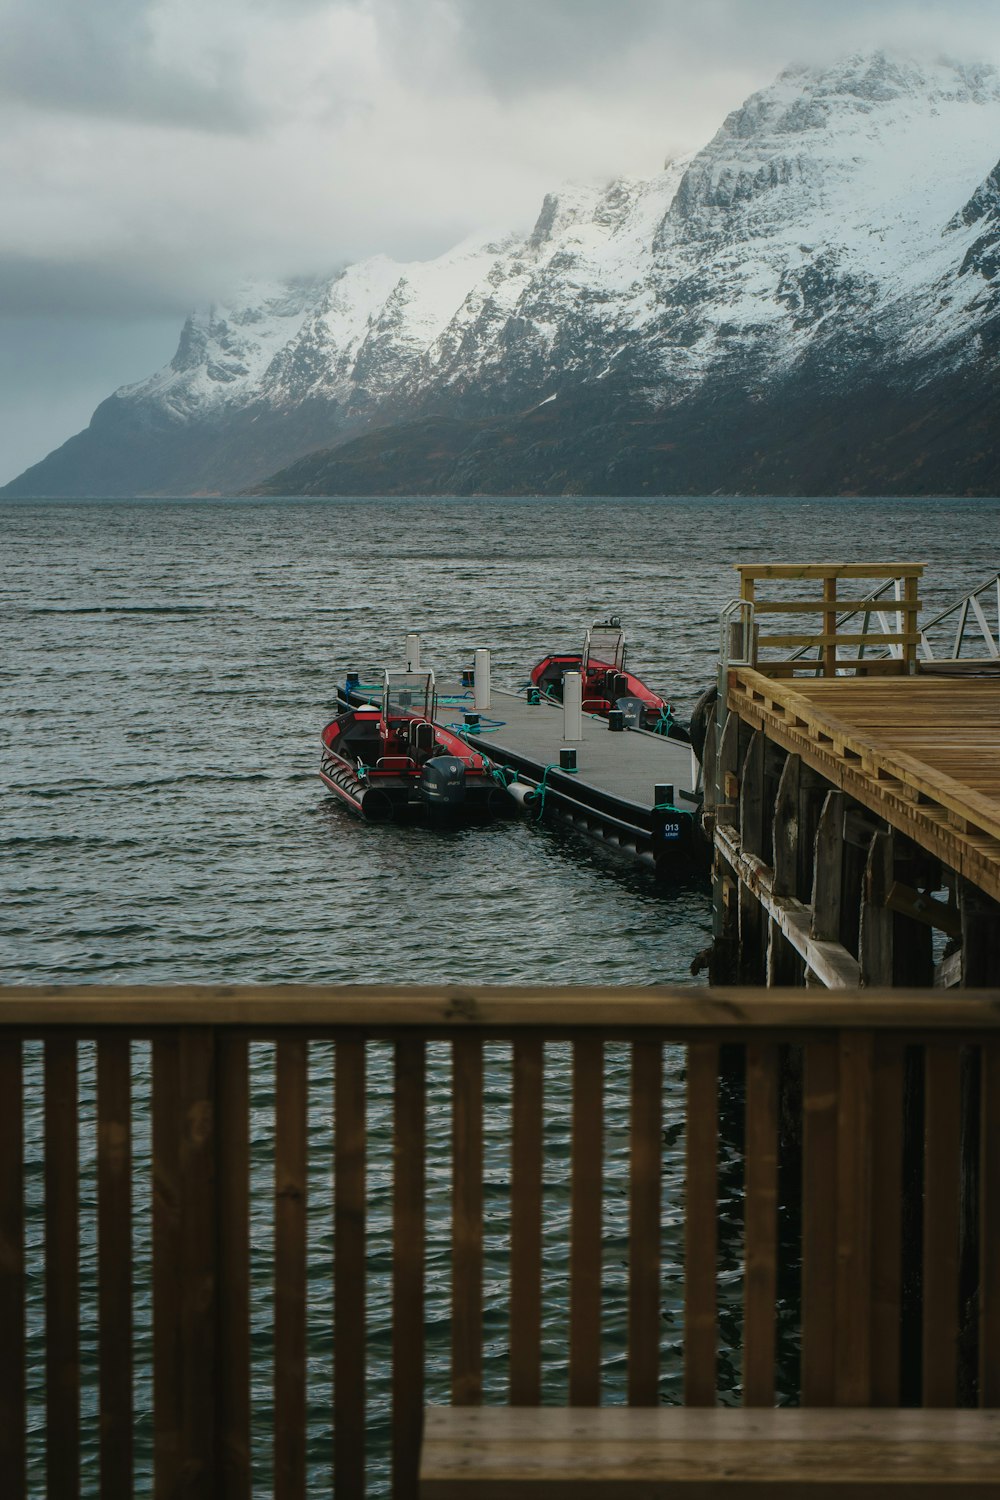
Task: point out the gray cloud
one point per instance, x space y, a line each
103 58
521 47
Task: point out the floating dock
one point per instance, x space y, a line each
637 791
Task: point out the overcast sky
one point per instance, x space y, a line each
153 152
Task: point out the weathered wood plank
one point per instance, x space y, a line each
233 1134
62 1270
887 1220
980 929
829 961
166 1264
989 1230
805 606
761 1220
114 1263
617 1452
197 1279
644 1223
750 571
502 1011
727 780
911 622
709 758
586 1179
786 829
819 1222
852 1376
291 1092
942 1116
13 1478
467 1223
830 639
876 932
701 1336
527 1152
349 1295
408 1260
752 826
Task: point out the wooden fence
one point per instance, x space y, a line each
823 1074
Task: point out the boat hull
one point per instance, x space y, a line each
380 798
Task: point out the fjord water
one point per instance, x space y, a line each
167 669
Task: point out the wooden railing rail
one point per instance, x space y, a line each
846 1119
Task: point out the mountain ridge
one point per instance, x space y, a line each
841 231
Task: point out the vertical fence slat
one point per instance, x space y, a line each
819 1250
467 1223
114 1265
942 1178
409 1232
349 1269
197 1300
12 1281
854 1220
585 1223
233 1131
761 1253
701 1225
290 1202
62 1270
887 1221
989 1229
526 1224
166 1264
644 1224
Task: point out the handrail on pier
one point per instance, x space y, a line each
798 1104
837 649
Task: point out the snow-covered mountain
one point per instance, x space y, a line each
840 233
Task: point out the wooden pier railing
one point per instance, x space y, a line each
844 631
863 1267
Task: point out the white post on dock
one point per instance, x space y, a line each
413 653
482 682
572 706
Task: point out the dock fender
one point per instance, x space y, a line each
524 796
699 718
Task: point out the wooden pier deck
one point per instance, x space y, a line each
921 752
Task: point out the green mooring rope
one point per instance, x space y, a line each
543 786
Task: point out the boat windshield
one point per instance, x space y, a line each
605 643
408 694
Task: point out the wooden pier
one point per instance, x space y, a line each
853 796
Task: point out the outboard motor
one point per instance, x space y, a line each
442 781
